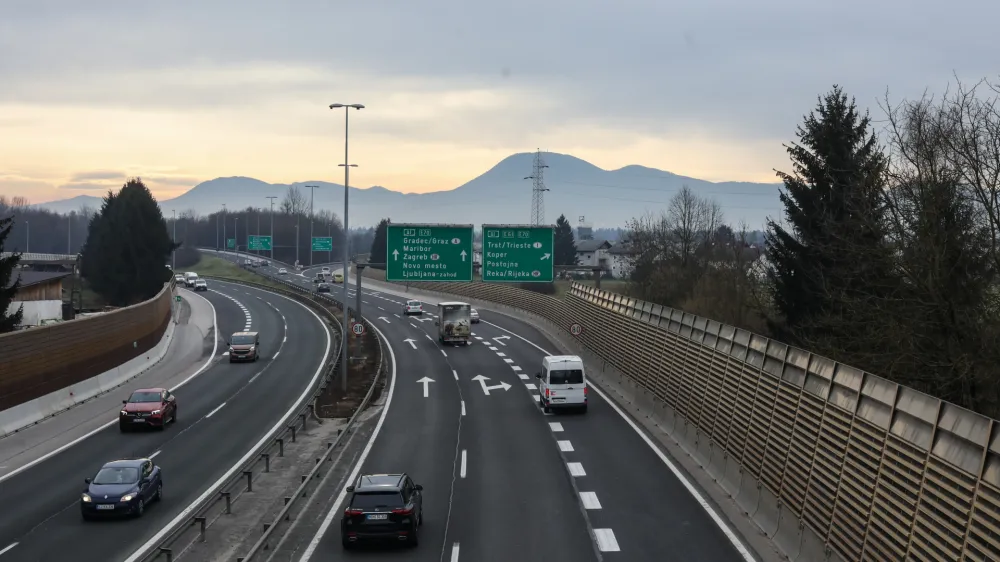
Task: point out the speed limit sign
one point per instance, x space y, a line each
358 328
576 329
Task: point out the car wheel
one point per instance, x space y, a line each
85 516
159 492
123 428
583 409
348 545
413 539
140 508
545 407
420 517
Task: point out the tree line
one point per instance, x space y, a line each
41 231
886 257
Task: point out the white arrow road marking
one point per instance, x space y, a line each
486 389
498 338
426 381
410 341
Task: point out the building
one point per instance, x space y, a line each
477 253
621 261
593 253
41 294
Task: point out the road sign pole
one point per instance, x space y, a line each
357 290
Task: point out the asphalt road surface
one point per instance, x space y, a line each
503 481
222 413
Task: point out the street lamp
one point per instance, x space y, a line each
347 167
312 193
225 241
173 238
27 244
272 198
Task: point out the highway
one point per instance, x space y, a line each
222 413
503 481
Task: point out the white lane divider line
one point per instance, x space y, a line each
8 548
555 426
464 462
153 456
454 372
225 353
380 308
565 446
492 348
522 376
463 407
508 361
428 336
454 552
530 385
499 353
443 353
414 325
606 540
275 356
478 338
590 500
219 407
515 367
576 469
286 337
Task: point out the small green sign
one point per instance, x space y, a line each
231 243
177 298
322 244
428 252
517 253
260 243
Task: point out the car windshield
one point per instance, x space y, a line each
474 311
117 475
568 376
412 303
371 500
242 340
144 397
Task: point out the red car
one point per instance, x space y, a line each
148 407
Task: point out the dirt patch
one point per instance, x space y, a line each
335 403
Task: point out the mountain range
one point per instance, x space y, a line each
502 195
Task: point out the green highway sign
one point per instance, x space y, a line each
259 243
517 253
231 243
428 252
322 244
177 298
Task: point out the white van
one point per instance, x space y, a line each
189 278
562 383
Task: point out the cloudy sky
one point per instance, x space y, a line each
185 91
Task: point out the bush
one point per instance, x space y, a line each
187 257
543 288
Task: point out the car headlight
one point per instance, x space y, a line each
85 498
230 349
123 413
253 347
127 498
155 412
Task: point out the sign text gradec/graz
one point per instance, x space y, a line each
429 252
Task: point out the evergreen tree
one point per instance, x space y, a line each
835 251
8 265
127 246
377 253
564 244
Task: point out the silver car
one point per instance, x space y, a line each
474 316
413 307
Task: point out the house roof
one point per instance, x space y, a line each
29 278
591 245
621 249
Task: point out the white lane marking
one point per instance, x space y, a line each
219 407
522 376
275 356
225 353
454 552
515 367
96 430
414 325
576 469
428 336
508 361
286 337
719 522
478 338
335 509
396 315
463 407
606 540
530 385
536 397
555 426
153 456
454 372
590 500
186 512
443 353
8 548
364 301
565 446
380 308
499 354
492 348
462 471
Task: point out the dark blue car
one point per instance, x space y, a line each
122 487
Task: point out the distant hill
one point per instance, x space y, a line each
607 198
64 206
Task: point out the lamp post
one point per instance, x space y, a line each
272 198
173 252
347 167
225 241
312 193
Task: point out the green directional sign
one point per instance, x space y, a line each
517 253
322 244
231 243
259 243
428 252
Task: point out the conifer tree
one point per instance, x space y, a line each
9 321
564 243
377 254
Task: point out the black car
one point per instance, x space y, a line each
382 506
323 288
122 487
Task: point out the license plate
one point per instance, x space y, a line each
106 506
138 420
377 516
554 399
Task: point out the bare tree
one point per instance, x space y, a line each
294 202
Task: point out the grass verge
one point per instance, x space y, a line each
562 286
218 267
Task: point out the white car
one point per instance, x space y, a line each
413 307
178 278
200 285
282 271
474 316
326 270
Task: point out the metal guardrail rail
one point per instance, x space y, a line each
242 480
831 462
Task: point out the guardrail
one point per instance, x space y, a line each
831 462
222 498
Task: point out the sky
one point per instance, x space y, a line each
186 91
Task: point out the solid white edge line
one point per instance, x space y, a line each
454 552
166 529
463 469
716 518
463 407
153 456
95 431
454 373
217 408
332 514
13 544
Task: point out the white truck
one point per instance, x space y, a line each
189 278
455 323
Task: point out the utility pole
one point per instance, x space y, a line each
347 167
236 237
225 241
27 243
69 237
538 189
173 256
312 196
272 198
258 227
